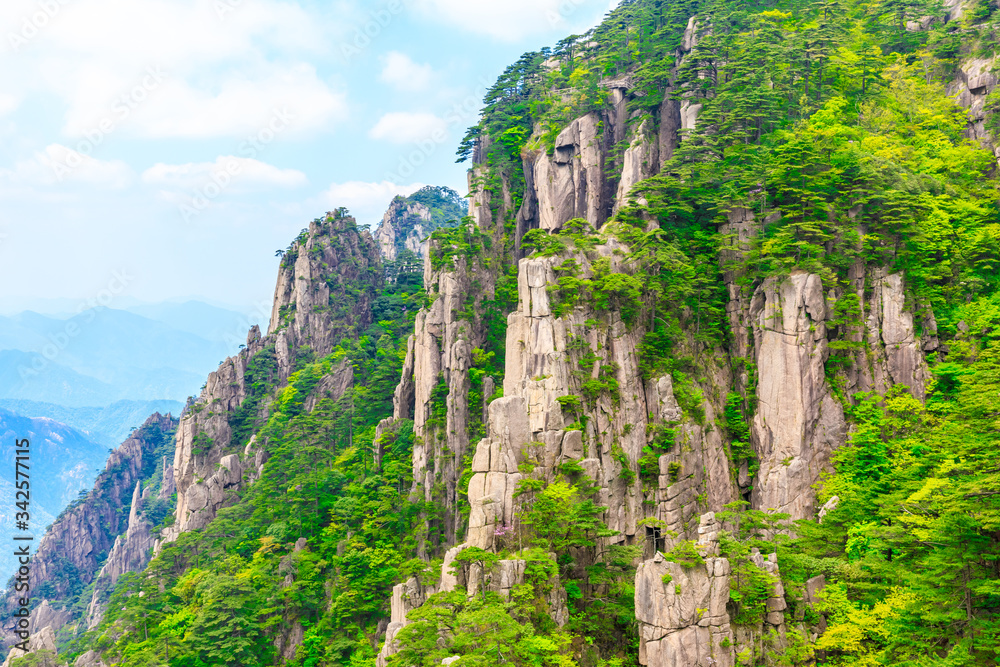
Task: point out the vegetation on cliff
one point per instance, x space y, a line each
829 121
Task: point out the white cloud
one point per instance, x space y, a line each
367 201
399 71
223 72
242 170
242 107
402 127
58 164
7 103
511 20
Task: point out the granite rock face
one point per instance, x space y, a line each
798 421
434 386
326 284
79 538
42 644
895 352
682 612
975 80
130 553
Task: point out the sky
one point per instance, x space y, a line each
155 150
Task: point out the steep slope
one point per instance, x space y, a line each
327 283
410 220
64 462
93 531
725 268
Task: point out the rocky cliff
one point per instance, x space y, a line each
327 281
409 221
575 391
105 531
636 319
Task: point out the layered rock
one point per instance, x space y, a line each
130 553
974 82
434 386
682 612
798 422
411 594
892 353
326 284
42 644
74 547
409 220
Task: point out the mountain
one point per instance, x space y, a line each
409 221
219 325
28 376
63 462
107 426
102 355
709 375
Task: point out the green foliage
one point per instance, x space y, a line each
482 630
219 596
829 123
562 516
911 546
448 244
540 242
259 377
685 553
740 448
42 658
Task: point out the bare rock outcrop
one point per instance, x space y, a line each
974 82
798 421
71 551
42 644
570 183
640 161
409 221
682 613
411 594
47 616
391 231
326 284
130 553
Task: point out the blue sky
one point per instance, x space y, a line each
161 149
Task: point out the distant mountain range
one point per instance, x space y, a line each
107 426
102 356
76 386
63 463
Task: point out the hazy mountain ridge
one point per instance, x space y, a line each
103 355
108 425
64 462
